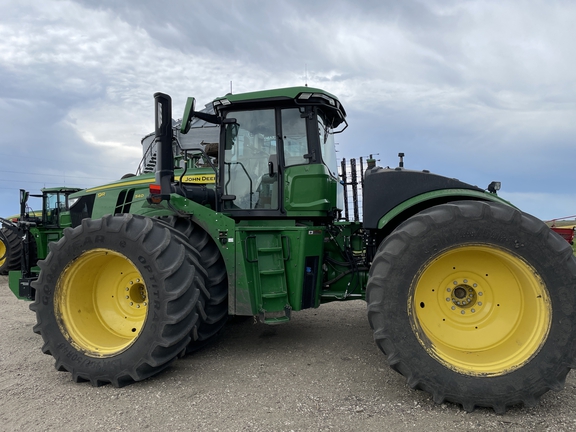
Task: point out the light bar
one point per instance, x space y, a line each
307 96
221 102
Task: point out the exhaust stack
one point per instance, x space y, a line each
163 138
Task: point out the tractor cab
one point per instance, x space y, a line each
277 154
55 206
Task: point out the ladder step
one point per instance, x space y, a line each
277 317
277 320
270 249
273 295
272 272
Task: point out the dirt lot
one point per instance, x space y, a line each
319 372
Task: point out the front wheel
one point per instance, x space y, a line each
474 303
214 311
117 299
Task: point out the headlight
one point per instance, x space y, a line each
494 187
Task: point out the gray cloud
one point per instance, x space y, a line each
479 90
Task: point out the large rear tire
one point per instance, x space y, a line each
10 251
474 303
214 313
117 299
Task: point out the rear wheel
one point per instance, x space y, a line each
10 251
473 302
117 299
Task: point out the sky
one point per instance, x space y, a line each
476 90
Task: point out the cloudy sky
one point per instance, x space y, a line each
477 90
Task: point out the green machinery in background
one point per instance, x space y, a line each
470 299
37 228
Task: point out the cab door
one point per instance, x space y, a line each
250 175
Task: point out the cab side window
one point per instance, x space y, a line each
250 147
294 137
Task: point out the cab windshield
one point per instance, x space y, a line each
327 145
54 204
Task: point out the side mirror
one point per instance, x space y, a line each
23 196
231 134
23 200
188 115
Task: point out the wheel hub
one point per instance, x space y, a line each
464 295
134 294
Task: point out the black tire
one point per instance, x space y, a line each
214 313
117 299
10 251
474 303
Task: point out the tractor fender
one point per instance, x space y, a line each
219 227
396 194
429 199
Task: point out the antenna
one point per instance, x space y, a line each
230 86
305 75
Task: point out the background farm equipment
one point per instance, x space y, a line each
25 239
564 227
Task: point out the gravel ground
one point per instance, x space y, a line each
322 371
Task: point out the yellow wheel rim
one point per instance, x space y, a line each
3 250
480 310
101 303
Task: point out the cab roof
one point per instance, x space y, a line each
299 95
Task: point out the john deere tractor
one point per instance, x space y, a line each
470 299
24 239
10 249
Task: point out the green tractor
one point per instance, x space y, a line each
24 238
10 247
470 299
